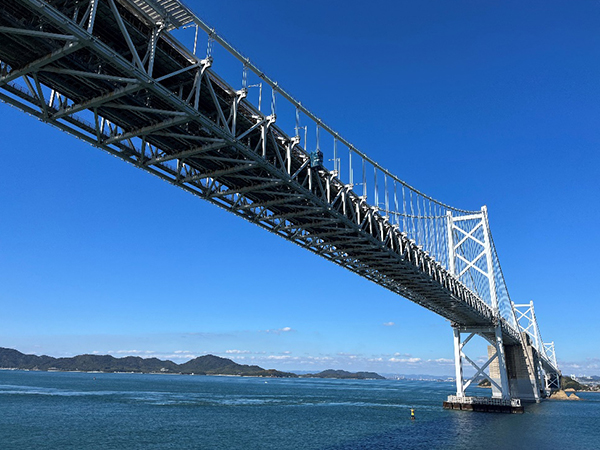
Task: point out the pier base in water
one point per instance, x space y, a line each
484 404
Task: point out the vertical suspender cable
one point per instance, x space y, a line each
387 197
404 218
425 222
364 173
396 203
259 96
419 222
413 234
209 47
318 148
273 105
375 190
335 158
430 226
438 249
351 174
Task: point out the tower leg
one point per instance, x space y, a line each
460 390
505 394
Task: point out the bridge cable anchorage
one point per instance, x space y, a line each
113 75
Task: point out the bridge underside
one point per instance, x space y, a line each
114 78
109 73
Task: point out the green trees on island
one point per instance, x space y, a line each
203 365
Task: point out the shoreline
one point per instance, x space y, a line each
186 374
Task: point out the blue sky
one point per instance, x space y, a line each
472 102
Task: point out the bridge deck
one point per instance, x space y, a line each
164 110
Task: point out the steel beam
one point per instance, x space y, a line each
380 252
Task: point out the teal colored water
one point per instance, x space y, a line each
41 410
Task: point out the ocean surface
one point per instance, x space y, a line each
54 410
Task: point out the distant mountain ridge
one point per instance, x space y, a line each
203 365
344 375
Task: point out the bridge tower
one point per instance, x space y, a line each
544 368
518 369
551 378
470 261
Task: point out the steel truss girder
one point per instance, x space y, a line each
392 261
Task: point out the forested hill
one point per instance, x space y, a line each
203 365
342 374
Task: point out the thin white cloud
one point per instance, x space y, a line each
443 361
181 355
279 330
178 356
406 360
397 362
282 357
389 324
587 367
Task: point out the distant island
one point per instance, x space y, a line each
203 365
344 375
568 384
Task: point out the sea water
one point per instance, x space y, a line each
56 410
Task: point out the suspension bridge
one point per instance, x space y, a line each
135 78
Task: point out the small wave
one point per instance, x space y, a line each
202 399
55 393
358 404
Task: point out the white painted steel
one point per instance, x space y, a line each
96 80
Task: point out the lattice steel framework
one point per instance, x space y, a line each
525 314
111 73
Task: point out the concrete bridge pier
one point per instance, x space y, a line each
522 369
516 373
498 373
